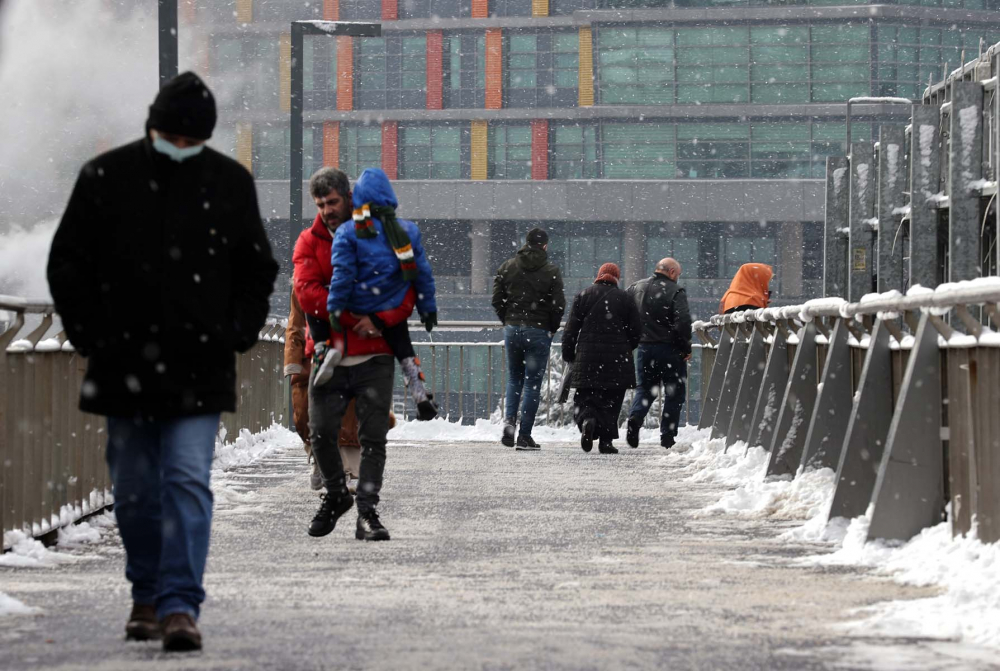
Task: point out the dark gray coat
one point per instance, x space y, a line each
528 291
602 330
663 307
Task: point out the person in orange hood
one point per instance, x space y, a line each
748 290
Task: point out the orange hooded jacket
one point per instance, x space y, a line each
749 287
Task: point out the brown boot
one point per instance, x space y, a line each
142 624
180 633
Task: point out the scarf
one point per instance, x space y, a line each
398 239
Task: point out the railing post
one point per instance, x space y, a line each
796 407
772 392
837 221
909 493
966 166
925 183
892 183
827 425
749 389
863 186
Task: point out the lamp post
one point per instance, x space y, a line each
299 30
168 40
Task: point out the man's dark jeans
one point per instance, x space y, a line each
527 356
658 363
370 383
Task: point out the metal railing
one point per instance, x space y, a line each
904 405
52 468
469 382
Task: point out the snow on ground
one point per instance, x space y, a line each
967 570
11 606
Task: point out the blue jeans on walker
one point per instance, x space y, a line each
160 470
527 356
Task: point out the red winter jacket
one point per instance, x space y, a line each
311 281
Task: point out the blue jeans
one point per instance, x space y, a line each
160 470
527 357
658 363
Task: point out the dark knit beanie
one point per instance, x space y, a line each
609 272
184 106
537 237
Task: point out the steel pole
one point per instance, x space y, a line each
168 40
295 154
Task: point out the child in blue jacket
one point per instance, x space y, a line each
376 262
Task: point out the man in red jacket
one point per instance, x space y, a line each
331 191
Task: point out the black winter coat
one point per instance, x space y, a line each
160 272
663 307
602 330
528 291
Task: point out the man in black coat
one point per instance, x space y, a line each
664 350
528 298
602 330
161 272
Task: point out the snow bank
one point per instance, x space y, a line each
11 606
251 447
26 552
489 431
967 570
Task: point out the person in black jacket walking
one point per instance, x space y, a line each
161 272
602 330
664 350
528 298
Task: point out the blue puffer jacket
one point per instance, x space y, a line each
366 273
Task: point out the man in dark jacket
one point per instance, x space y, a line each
528 298
161 271
602 330
664 350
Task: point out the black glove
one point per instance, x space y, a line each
430 320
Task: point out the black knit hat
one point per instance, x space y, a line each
537 237
184 106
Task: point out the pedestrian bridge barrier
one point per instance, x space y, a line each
899 395
52 468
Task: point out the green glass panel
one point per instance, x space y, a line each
566 78
655 37
523 43
781 54
857 34
565 42
779 35
779 73
414 46
416 135
713 131
790 132
780 93
840 54
837 73
522 61
838 92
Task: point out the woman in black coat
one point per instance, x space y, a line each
602 330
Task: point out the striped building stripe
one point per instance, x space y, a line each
331 10
494 68
435 70
480 149
244 11
331 144
244 144
480 9
539 149
586 97
390 10
345 73
285 72
539 8
390 148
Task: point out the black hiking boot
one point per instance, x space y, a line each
606 447
526 444
142 624
666 441
330 510
587 434
370 528
508 432
632 432
180 633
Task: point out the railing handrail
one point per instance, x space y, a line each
27 305
973 292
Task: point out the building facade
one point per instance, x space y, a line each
630 130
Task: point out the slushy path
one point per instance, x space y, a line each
499 560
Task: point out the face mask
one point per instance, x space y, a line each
174 152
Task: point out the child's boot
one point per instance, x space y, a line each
328 355
413 378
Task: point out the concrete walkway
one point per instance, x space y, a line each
499 560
